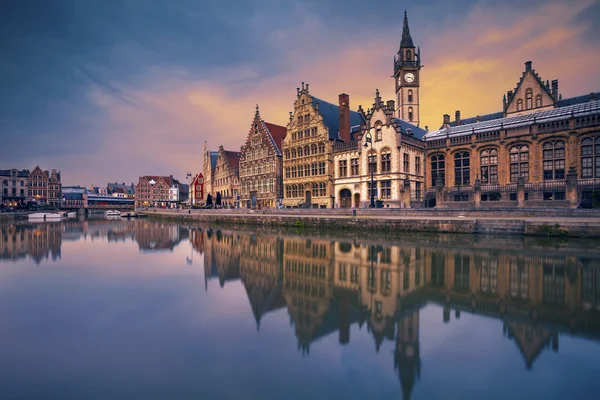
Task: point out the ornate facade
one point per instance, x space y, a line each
540 148
13 186
261 168
407 67
209 165
315 126
389 148
153 191
226 177
44 187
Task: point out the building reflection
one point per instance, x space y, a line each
158 237
329 285
38 243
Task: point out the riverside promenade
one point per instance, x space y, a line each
540 222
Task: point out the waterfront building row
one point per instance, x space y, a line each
540 150
20 186
160 191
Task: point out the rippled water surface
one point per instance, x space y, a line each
138 309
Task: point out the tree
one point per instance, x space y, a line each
209 200
218 202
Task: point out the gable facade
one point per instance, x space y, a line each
226 177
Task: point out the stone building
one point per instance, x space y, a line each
209 164
153 191
540 148
226 177
13 186
261 168
388 147
315 126
44 187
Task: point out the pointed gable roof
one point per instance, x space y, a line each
233 158
277 134
538 79
406 38
331 117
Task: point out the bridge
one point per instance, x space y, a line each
104 203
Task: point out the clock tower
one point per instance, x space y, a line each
407 65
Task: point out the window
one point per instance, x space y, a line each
314 169
354 166
438 169
322 189
306 150
343 168
462 169
538 100
294 175
321 148
519 162
354 273
372 190
386 189
343 272
315 189
554 160
287 154
386 160
293 153
372 163
418 165
520 105
410 95
307 170
378 134
322 168
300 152
406 163
386 281
287 172
489 166
408 55
529 99
590 157
410 113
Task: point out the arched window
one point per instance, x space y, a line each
306 150
410 114
554 160
372 162
313 149
287 154
307 170
408 55
519 162
438 168
321 148
462 168
294 191
299 151
315 189
287 172
410 95
386 160
538 101
590 157
293 153
489 166
529 99
378 134
322 168
520 105
314 169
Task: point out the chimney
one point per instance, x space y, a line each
555 89
391 104
344 113
457 117
528 66
446 123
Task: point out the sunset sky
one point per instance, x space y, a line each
108 90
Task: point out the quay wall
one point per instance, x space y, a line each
6 217
575 226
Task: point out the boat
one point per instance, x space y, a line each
39 217
128 214
112 213
70 215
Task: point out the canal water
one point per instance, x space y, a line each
111 309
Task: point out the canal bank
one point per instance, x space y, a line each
571 223
7 217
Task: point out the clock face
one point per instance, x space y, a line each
409 77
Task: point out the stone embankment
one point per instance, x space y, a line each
543 222
6 217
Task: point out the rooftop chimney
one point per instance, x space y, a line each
344 114
528 66
391 105
457 117
555 89
446 123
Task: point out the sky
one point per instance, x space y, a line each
109 90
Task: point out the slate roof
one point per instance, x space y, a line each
579 99
577 110
214 155
233 158
331 117
73 196
482 118
168 180
277 134
20 174
406 38
121 188
417 132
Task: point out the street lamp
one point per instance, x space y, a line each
369 139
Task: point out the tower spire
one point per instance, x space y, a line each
406 38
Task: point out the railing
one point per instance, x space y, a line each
436 144
486 136
345 146
553 126
587 121
466 139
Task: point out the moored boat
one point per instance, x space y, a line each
39 217
112 213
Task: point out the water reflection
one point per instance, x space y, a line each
343 287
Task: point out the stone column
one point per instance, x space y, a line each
439 193
407 193
571 188
520 192
477 192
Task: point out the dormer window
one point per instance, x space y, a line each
529 99
538 101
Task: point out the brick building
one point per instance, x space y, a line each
153 191
261 168
44 187
315 126
540 148
209 164
226 177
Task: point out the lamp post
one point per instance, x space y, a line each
369 139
